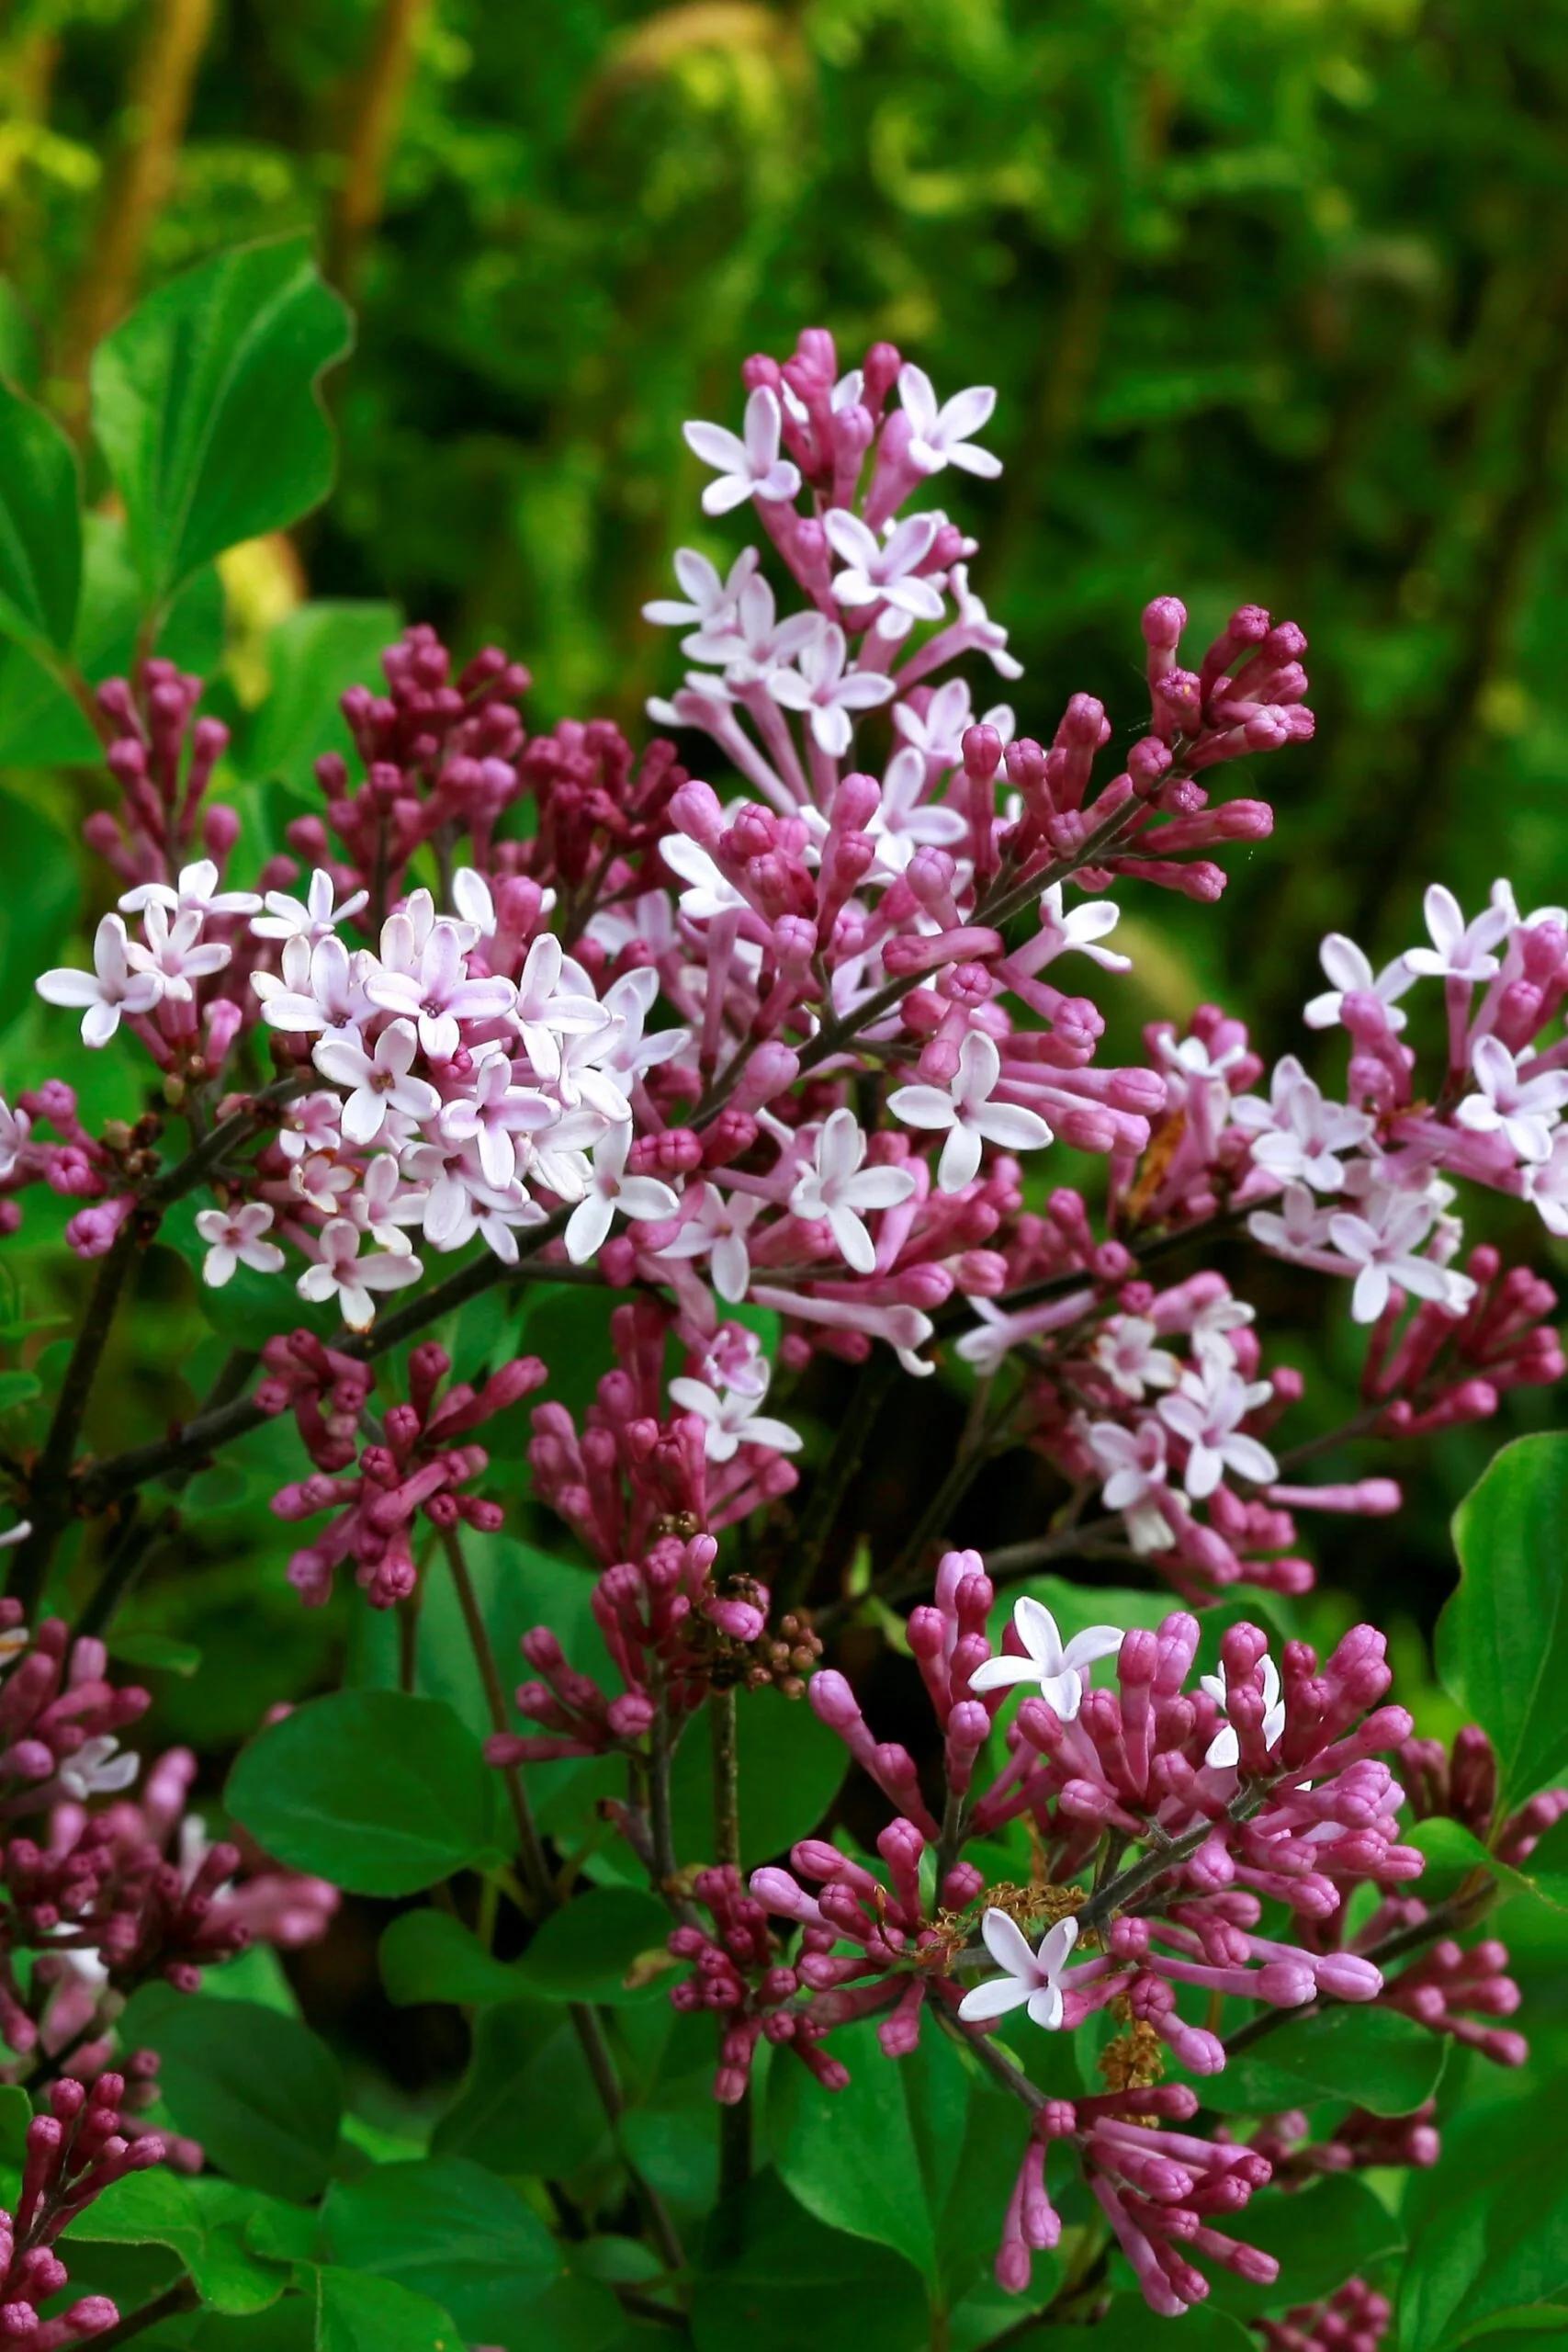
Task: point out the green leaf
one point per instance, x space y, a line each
201 2221
430 1956
1545 1868
1489 2227
383 1793
40 920
1320 2236
1502 1642
259 2090
449 2230
920 2156
528 2102
158 1652
1129 2326
586 1950
206 405
16 2114
41 526
1374 2057
18 1388
318 650
772 2279
791 1768
355 2313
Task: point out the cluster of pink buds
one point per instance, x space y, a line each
635 1470
737 1973
415 1467
1358 2140
1355 2318
60 1717
74 2153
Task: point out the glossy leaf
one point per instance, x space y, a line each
791 1768
1375 2058
381 1792
206 403
259 2090
358 2313
201 2221
451 2231
1502 1642
39 920
1129 2326
920 2156
586 1950
41 526
1489 2228
773 2279
528 2102
430 1956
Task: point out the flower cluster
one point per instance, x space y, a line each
1260 1787
110 1894
74 2152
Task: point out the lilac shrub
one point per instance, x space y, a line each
787 1066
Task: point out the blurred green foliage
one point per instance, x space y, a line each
1277 302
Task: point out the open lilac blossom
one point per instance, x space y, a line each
1031 1979
748 466
113 987
967 1115
1059 1668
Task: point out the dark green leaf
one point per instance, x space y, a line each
586 1950
920 2156
774 2280
258 2089
452 2230
791 1768
360 2315
18 1388
430 1956
1502 1642
40 920
1320 2236
1374 2057
206 405
16 2114
41 526
157 1652
528 2102
1489 2227
383 1793
202 2220
1129 2326
578 2314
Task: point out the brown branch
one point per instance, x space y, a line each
377 116
157 106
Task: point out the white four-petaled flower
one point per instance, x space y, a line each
1033 1980
965 1109
233 1238
1059 1668
837 1188
747 464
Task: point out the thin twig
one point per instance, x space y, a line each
535 1869
734 2116
174 2299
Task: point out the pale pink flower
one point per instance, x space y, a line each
1347 969
1206 1411
233 1238
884 572
437 991
175 951
609 1189
1125 1351
1224 1748
749 464
822 688
717 1232
1081 929
315 918
711 603
342 1273
1134 1466
1059 1670
940 436
1296 1135
318 987
113 987
1460 951
1382 1243
493 1114
380 1082
1031 1980
1521 1108
964 1108
731 1419
195 892
837 1188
